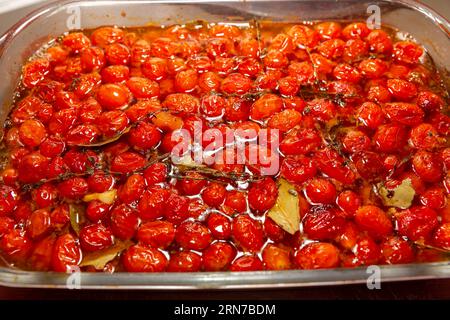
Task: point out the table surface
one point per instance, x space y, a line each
425 289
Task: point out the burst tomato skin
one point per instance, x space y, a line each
9 200
132 189
193 185
300 141
407 52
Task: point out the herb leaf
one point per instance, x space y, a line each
107 197
400 197
76 213
99 259
286 211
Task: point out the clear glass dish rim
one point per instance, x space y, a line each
217 280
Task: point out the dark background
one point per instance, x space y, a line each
425 289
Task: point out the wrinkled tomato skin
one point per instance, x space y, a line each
158 234
262 195
397 251
342 119
193 236
247 233
219 225
367 252
124 222
185 261
97 211
214 194
373 220
132 189
151 206
66 253
16 245
33 168
41 257
317 255
247 263
127 162
139 258
323 223
276 258
427 166
39 224
218 256
73 188
177 209
441 236
95 237
417 222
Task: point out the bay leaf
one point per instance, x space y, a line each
107 197
76 213
399 197
99 259
286 211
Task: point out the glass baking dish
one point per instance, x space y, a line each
36 29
